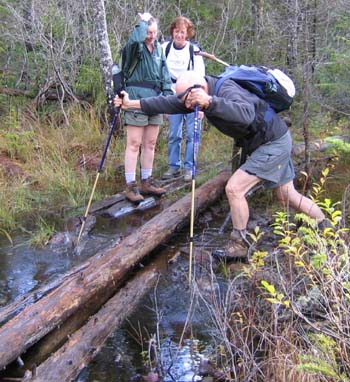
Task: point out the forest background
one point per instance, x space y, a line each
55 74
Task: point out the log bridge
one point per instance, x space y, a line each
93 290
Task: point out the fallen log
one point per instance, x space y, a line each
113 206
101 278
66 363
10 310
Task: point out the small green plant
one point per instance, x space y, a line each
256 263
322 358
275 297
338 146
43 233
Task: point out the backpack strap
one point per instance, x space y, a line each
219 82
128 65
191 57
148 85
191 48
167 48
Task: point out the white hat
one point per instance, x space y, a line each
284 81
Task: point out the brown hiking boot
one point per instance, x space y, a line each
236 249
132 193
149 187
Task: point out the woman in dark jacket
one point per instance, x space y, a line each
147 77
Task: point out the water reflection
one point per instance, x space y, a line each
162 314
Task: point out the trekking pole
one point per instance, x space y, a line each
212 57
195 154
117 85
100 167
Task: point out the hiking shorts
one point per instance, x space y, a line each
139 119
272 162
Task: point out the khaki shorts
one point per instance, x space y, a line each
139 119
272 162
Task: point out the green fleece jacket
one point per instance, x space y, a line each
151 69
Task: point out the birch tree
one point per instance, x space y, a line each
106 60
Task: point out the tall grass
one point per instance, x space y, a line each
50 156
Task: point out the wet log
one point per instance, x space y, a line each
114 206
103 275
66 363
9 311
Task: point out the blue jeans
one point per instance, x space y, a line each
176 122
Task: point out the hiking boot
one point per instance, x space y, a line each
171 173
149 187
132 193
237 248
324 224
188 175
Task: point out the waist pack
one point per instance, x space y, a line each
272 85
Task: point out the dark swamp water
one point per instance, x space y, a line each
163 311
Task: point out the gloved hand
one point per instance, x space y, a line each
145 16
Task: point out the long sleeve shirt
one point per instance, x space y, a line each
235 112
151 68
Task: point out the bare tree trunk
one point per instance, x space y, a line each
292 46
257 16
106 60
309 51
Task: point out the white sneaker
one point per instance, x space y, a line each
188 175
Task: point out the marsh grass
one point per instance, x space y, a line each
15 202
50 155
42 233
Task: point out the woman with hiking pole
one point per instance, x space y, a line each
146 75
181 55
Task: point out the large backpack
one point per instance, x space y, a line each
191 62
272 85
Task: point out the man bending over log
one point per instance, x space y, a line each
238 113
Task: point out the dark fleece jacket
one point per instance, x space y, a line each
235 111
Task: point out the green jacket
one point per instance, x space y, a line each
150 76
